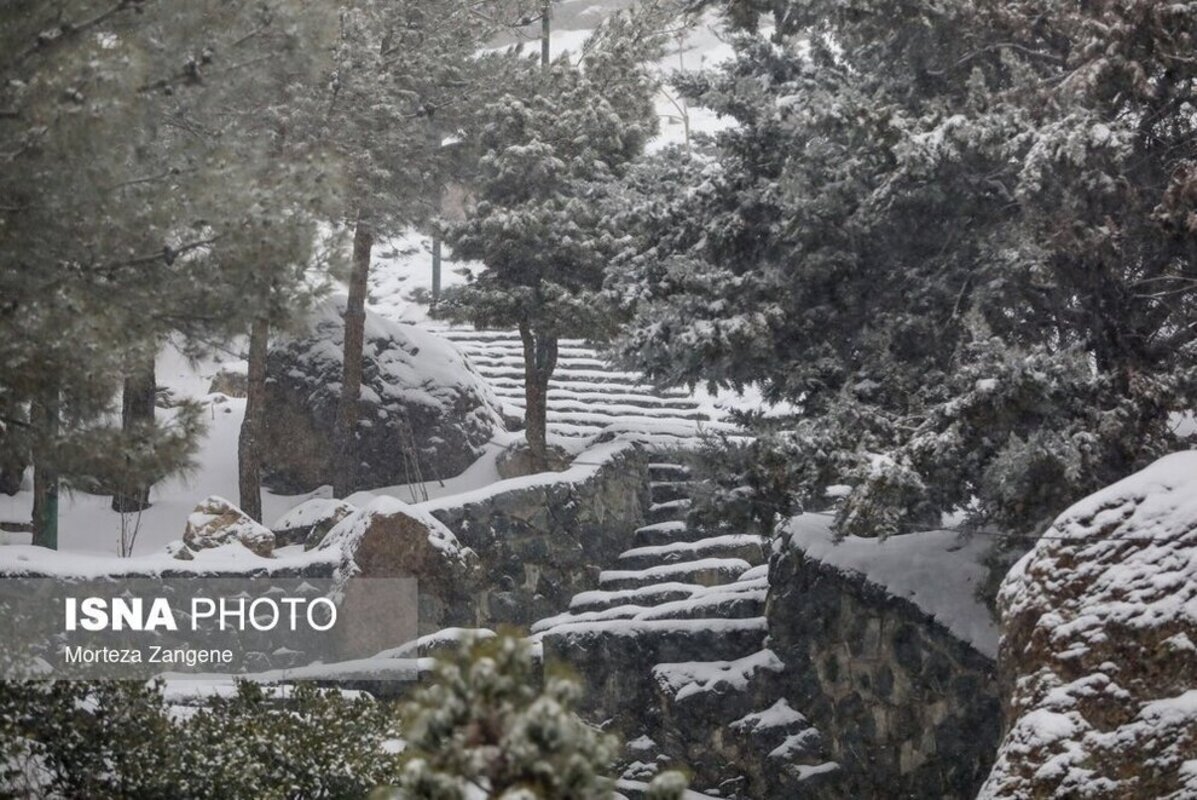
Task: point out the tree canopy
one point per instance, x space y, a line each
955 235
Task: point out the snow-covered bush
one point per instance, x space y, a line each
122 741
485 723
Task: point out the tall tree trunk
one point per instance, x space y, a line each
344 435
540 359
137 418
249 444
44 417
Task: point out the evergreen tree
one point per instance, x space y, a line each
953 234
484 727
554 150
132 204
406 75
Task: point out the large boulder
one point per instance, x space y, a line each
391 539
1098 657
424 413
217 522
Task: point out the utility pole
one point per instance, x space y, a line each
546 9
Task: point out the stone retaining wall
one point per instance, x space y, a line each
538 545
907 709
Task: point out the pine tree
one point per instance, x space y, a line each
133 203
955 235
484 725
554 150
406 75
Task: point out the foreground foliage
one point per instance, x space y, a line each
120 740
485 725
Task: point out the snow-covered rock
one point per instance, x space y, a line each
310 521
424 412
1099 647
217 522
390 539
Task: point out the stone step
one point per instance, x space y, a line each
640 400
590 388
639 644
628 611
669 510
571 409
564 375
516 349
704 572
470 334
587 362
674 530
729 601
736 603
781 729
664 491
670 433
746 546
665 471
601 599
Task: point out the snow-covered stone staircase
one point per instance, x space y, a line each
670 646
587 396
676 582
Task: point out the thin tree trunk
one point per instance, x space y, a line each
137 417
436 270
540 359
249 444
344 435
44 416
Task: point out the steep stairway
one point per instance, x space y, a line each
672 647
587 396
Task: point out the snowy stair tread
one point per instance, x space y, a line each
703 571
749 547
736 600
660 640
586 395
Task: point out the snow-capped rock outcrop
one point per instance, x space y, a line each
310 521
391 539
217 522
1099 647
425 413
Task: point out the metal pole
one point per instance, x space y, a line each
545 12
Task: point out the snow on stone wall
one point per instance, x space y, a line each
1099 647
